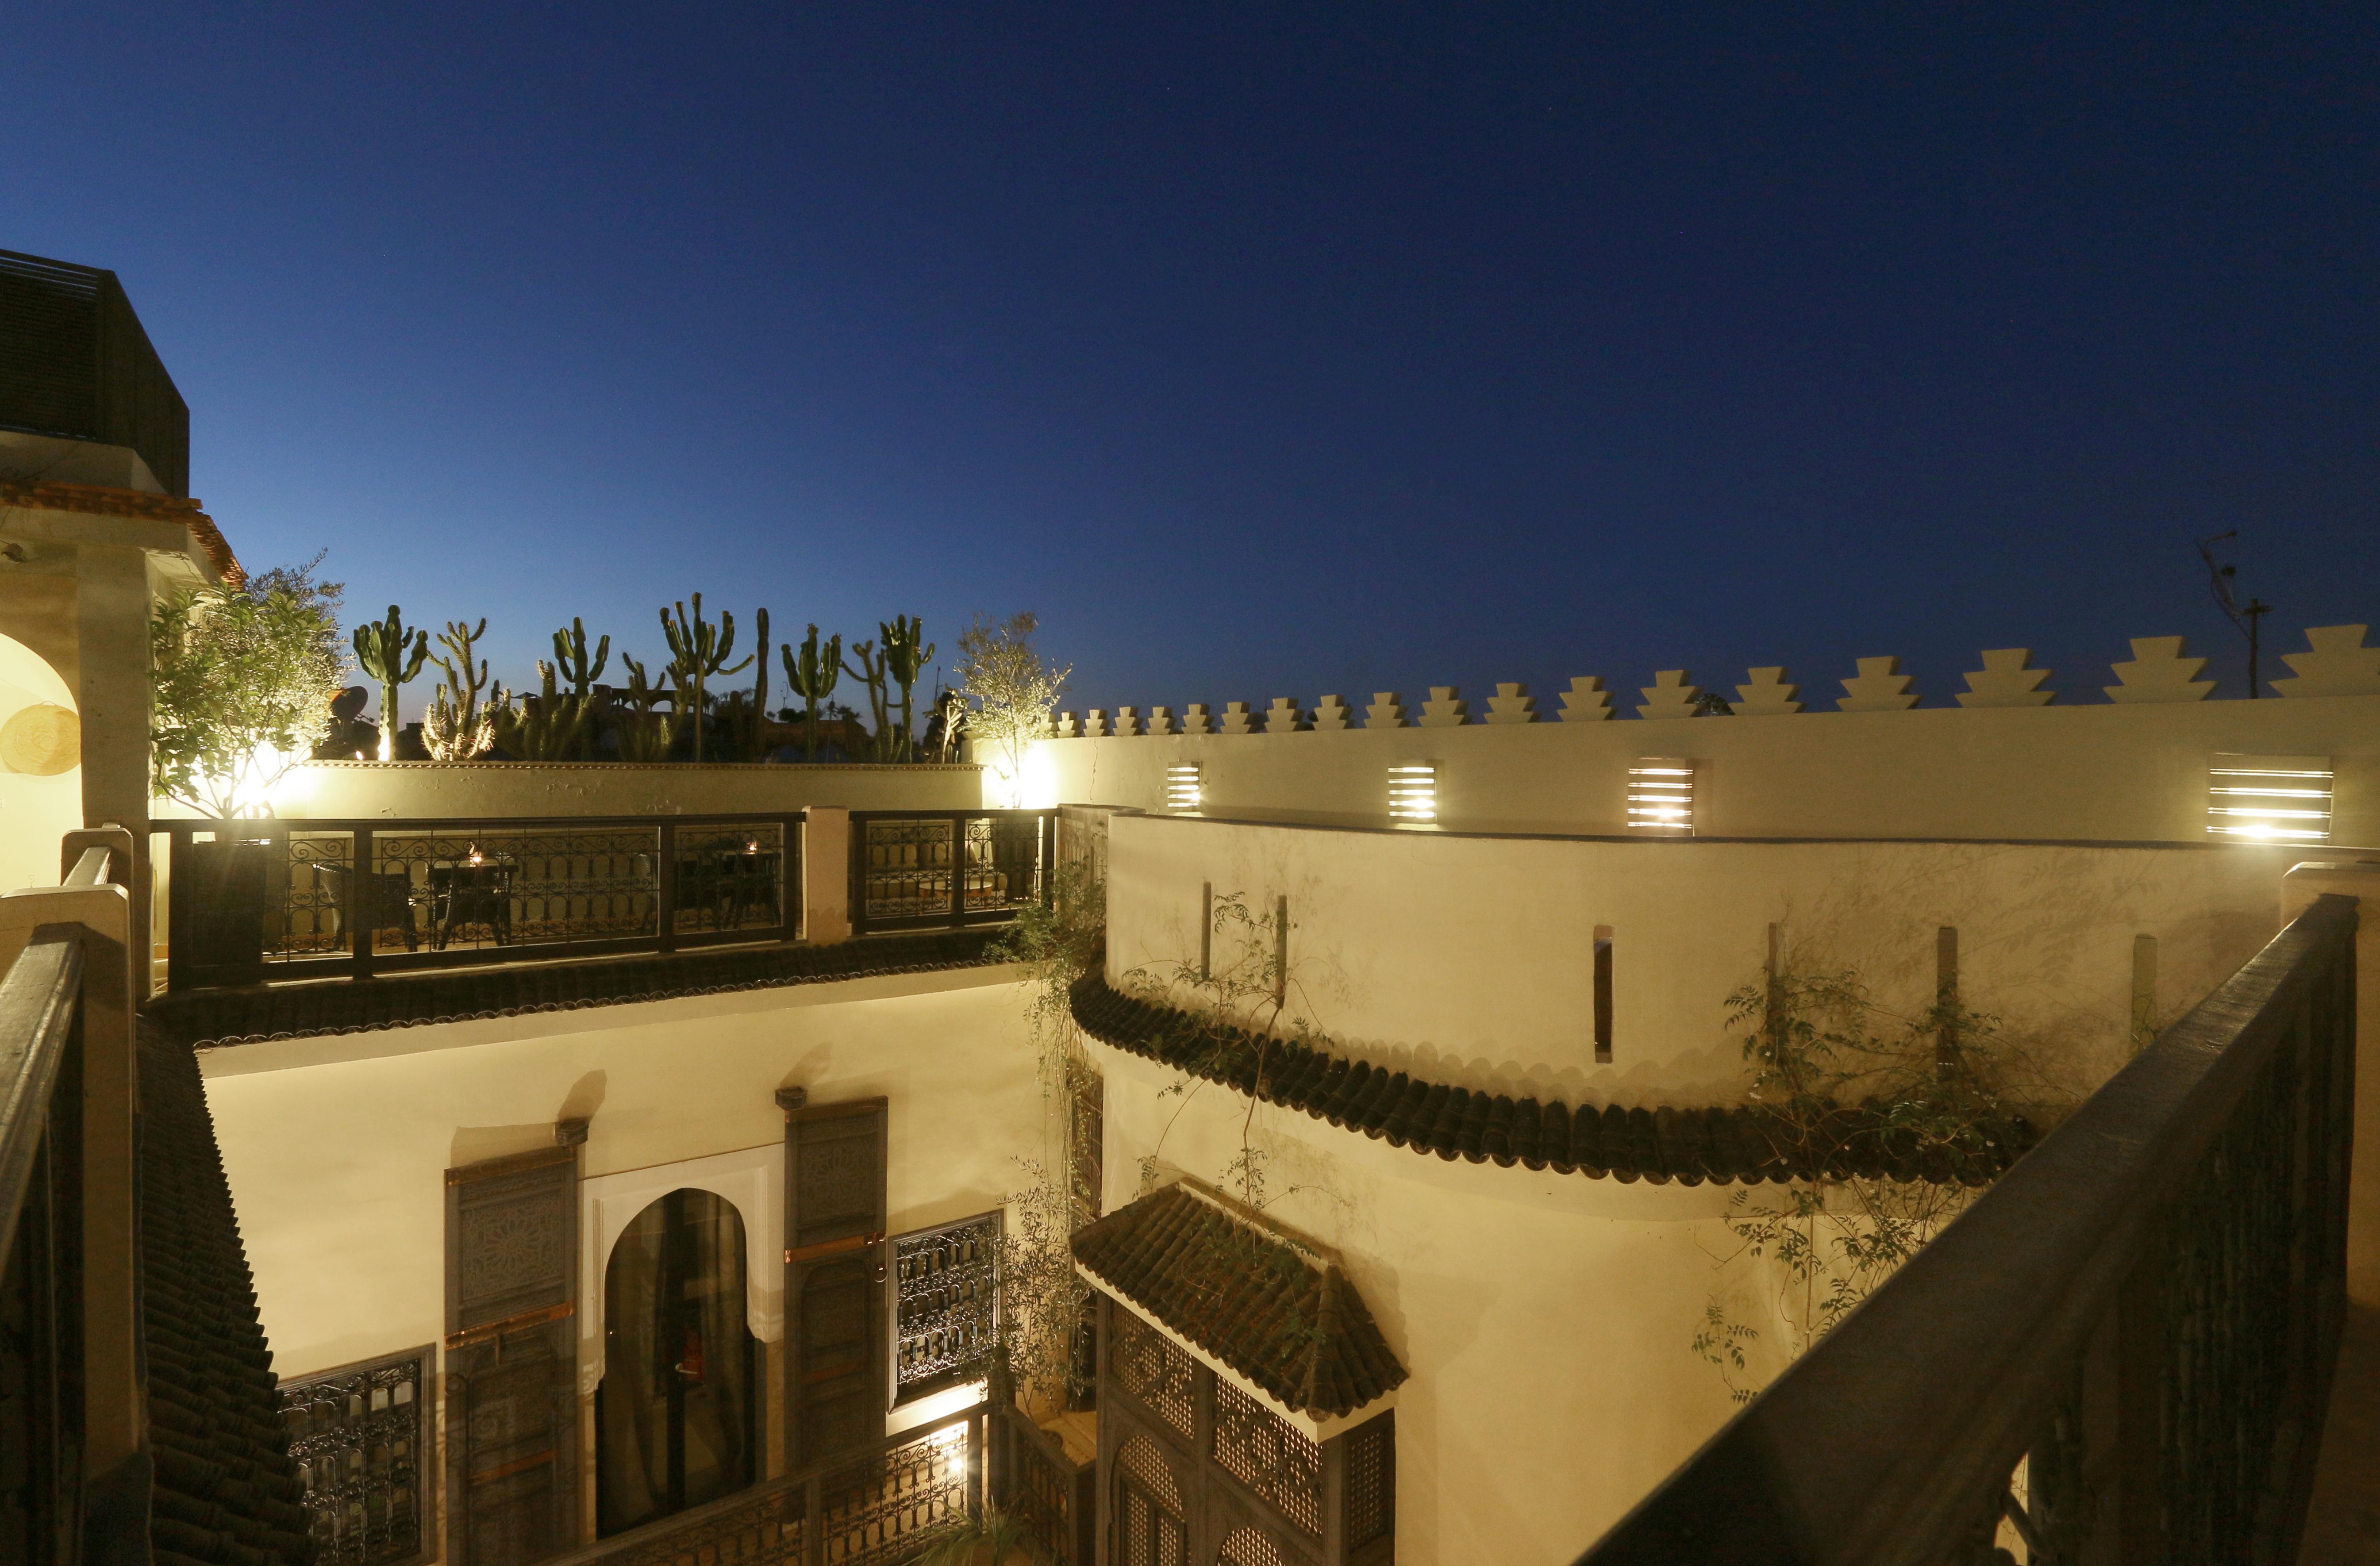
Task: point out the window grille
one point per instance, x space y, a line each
1184 786
1661 797
1412 792
1153 1368
1266 1453
948 1292
1371 1482
1245 1547
357 1436
1149 1469
2269 798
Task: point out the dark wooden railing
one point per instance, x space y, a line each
252 900
70 1395
2142 1313
872 1508
1030 1476
939 869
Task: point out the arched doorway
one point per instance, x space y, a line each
41 767
677 1417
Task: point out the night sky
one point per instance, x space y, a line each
1262 350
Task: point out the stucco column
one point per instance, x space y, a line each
2360 880
112 611
826 875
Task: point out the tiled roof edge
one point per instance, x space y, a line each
106 499
222 1018
1689 1145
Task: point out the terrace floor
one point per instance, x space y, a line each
2343 1522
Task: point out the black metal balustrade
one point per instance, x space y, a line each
872 1509
2142 1317
1032 1477
288 899
934 870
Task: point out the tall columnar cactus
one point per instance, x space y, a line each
648 735
570 658
697 651
871 670
812 677
458 727
906 653
752 723
393 655
549 726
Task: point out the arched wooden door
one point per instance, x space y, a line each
1150 1529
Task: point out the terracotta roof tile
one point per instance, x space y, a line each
1294 1325
1688 1146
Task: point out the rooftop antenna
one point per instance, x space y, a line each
2249 616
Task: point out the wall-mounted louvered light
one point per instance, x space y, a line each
2269 798
1183 789
1661 797
1412 792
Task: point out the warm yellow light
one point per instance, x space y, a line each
1185 787
1661 797
1412 792
2269 798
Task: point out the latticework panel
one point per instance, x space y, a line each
1154 1370
498 888
1371 1459
877 1510
731 877
1245 1547
1142 1460
1264 1453
947 1303
764 1531
908 869
356 1437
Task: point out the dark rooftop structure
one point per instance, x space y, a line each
75 362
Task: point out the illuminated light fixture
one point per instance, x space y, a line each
1182 787
2269 798
1412 792
1661 797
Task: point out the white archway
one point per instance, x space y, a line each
751 1179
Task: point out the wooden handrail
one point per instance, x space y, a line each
38 1002
1884 1443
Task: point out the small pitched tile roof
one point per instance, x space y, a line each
108 501
1689 1145
1291 1324
224 1492
208 1018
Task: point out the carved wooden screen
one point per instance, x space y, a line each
512 1400
837 1353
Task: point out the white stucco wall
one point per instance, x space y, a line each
2100 772
1469 959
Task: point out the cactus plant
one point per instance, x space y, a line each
750 719
459 725
812 677
391 655
906 653
648 735
549 726
872 671
697 651
570 658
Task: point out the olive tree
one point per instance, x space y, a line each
1010 692
244 676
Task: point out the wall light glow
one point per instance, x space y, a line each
1184 786
1661 797
1412 792
2269 798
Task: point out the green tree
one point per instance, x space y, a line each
1011 693
244 677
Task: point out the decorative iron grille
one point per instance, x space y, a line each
357 1436
1153 1368
916 869
1371 1482
1264 1453
947 1303
908 867
877 1509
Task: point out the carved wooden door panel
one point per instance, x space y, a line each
512 1380
837 1355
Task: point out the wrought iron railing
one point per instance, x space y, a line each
2124 1348
252 900
874 1507
933 870
1035 1480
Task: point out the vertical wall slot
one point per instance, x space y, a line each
1185 786
2144 986
1661 797
1412 791
1946 992
1603 993
1206 930
2269 798
1281 951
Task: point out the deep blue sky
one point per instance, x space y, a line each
1263 350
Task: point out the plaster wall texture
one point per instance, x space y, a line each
446 790
1547 1318
336 1147
2103 772
35 809
1470 960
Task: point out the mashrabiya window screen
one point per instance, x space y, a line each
1266 1453
1245 1547
1157 1371
357 1435
1371 1459
948 1305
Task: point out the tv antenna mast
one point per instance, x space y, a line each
2249 616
